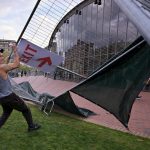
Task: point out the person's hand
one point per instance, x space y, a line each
13 46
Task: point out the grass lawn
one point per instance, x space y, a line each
60 132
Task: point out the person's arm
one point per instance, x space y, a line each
15 64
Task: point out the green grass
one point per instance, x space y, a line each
60 132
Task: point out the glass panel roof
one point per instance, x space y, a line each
45 18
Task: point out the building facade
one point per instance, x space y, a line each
90 34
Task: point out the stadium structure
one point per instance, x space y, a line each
105 44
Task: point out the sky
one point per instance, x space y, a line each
13 17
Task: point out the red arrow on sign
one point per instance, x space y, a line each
44 61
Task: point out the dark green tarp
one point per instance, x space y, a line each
115 86
24 90
28 88
65 101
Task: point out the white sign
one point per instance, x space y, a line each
38 57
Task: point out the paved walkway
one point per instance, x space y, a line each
139 123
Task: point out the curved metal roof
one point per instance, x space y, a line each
44 18
71 12
47 15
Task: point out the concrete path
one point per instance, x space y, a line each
139 123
